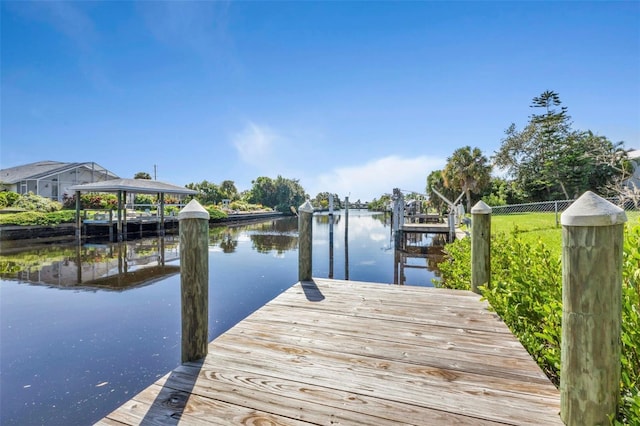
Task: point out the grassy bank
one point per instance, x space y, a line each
539 227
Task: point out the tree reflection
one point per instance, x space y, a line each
94 265
279 235
228 243
266 243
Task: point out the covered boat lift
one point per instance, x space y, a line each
121 187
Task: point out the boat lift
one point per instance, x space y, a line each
456 212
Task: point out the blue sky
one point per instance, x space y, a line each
349 97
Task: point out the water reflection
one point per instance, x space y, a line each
279 235
110 266
71 357
421 251
417 264
359 248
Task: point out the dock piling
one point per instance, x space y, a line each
397 217
330 235
480 245
305 239
592 245
78 219
346 238
194 280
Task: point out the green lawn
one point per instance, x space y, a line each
534 227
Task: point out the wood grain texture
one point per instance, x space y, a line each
362 354
480 251
305 245
194 287
591 323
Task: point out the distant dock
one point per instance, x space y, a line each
343 352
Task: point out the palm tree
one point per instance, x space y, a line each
467 170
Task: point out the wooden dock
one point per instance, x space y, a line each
426 228
342 352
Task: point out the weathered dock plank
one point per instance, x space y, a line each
341 352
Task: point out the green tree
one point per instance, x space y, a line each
468 171
435 182
263 192
501 192
229 190
280 193
321 201
208 192
549 160
142 175
380 204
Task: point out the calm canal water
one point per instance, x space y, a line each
83 328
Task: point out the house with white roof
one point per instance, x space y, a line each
52 179
634 156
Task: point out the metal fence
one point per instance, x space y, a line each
556 207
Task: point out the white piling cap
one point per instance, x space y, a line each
306 207
592 210
480 208
193 210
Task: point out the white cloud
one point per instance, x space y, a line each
377 177
255 144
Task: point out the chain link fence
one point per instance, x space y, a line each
556 207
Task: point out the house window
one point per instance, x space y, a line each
54 188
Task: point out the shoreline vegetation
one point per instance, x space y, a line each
526 292
43 227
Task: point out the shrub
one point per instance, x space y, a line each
526 291
95 200
630 379
38 218
172 210
215 213
244 206
36 203
144 199
8 198
92 200
62 216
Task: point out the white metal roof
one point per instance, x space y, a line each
138 186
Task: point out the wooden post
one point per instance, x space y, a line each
305 241
161 212
158 224
78 221
452 224
111 226
480 246
397 217
592 245
331 236
346 238
119 216
125 227
194 280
